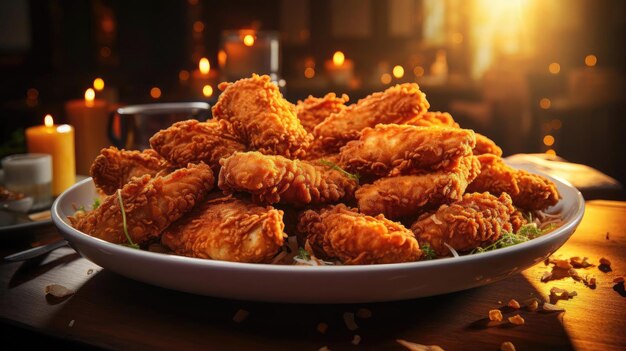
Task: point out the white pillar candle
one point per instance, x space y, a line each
31 175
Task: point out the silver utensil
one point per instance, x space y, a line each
35 251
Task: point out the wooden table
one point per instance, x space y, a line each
110 311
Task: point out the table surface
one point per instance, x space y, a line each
110 311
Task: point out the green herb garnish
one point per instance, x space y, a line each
81 208
337 168
130 241
96 204
303 254
429 253
525 233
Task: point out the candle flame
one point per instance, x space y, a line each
221 58
48 121
398 71
248 40
338 58
90 95
98 84
207 90
204 65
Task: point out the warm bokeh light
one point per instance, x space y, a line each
207 90
591 60
204 65
548 140
32 94
48 121
98 84
155 92
309 72
554 68
338 58
183 75
198 26
398 71
221 58
545 103
192 2
551 152
418 71
556 124
90 95
248 40
385 78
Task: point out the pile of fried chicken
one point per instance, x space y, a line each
366 183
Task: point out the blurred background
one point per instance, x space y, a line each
536 76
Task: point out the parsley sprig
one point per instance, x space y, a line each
337 168
130 241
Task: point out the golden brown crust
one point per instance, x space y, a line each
273 179
338 232
392 149
228 229
474 221
536 192
485 145
433 119
312 111
263 119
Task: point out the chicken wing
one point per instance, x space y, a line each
535 192
433 119
263 119
338 232
397 104
392 149
397 197
485 145
227 229
192 141
312 111
474 221
273 179
150 205
113 167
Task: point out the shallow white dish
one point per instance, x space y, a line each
322 284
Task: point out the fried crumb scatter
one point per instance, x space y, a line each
605 262
58 291
533 305
618 280
560 263
561 294
348 319
363 313
546 276
71 324
552 308
591 282
514 304
322 328
240 316
495 315
607 236
517 320
577 262
418 347
507 346
356 339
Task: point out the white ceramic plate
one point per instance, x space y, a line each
322 284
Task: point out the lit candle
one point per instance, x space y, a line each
247 51
340 69
57 141
90 117
202 77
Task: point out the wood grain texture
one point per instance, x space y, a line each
111 311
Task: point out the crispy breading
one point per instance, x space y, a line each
401 196
474 221
392 149
273 179
150 204
397 104
228 229
485 145
113 167
262 118
535 192
312 111
193 141
433 119
338 232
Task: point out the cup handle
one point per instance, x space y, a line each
118 141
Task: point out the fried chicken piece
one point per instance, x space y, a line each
338 232
392 149
150 204
193 141
113 167
402 196
518 220
528 191
398 104
273 179
476 220
485 145
263 119
312 111
227 229
433 119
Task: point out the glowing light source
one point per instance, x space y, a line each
398 71
221 58
385 78
98 84
554 68
248 40
155 92
591 60
183 75
338 58
90 95
48 121
545 103
418 71
204 65
207 90
551 152
309 72
198 26
556 124
548 140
